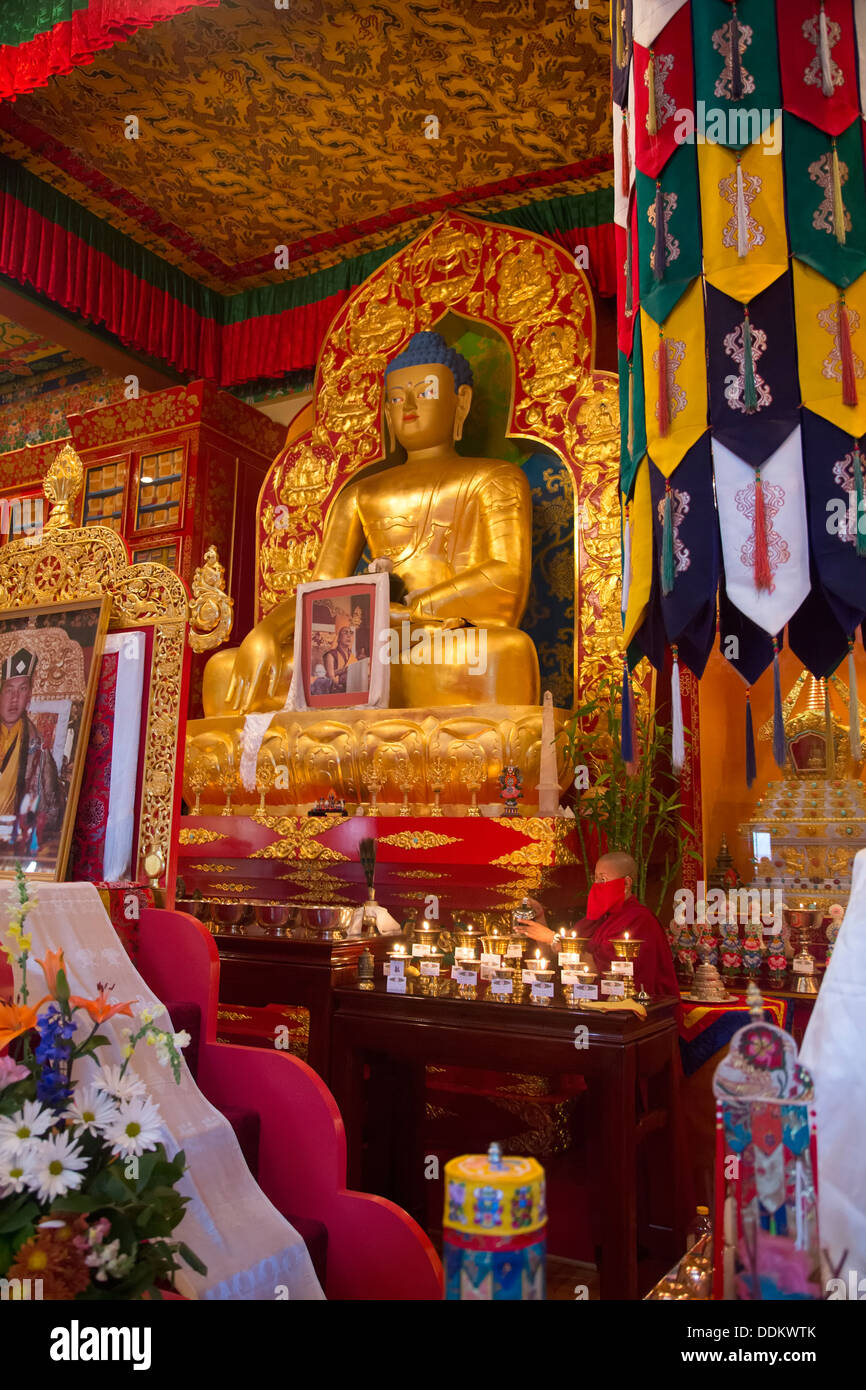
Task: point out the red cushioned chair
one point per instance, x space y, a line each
298 1151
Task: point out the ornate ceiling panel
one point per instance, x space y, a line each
260 127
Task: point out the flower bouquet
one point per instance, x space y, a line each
88 1198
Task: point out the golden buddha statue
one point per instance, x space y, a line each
455 532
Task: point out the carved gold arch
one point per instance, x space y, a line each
66 562
528 289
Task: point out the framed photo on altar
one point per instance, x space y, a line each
50 658
341 647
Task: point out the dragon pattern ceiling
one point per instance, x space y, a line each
305 126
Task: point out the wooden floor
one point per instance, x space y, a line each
566 1280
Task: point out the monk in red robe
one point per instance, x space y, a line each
613 910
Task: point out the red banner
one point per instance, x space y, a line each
818 62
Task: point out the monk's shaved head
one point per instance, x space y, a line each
618 865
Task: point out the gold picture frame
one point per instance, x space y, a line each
50 662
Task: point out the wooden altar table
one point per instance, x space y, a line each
381 1044
257 969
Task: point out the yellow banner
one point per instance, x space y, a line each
816 310
641 513
743 215
685 351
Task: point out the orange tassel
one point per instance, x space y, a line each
652 114
763 573
849 380
664 397
624 166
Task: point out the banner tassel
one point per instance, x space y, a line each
853 706
736 61
750 390
630 436
742 214
849 380
668 543
664 397
652 123
659 255
678 740
860 510
763 572
824 54
624 162
778 721
626 737
751 764
626 558
838 203
628 271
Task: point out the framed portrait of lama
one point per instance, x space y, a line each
340 627
50 659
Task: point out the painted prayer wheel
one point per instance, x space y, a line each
494 1228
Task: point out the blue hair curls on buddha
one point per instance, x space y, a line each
431 349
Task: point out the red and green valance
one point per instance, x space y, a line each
41 39
84 265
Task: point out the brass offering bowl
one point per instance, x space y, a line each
627 948
274 917
425 933
322 921
803 921
231 916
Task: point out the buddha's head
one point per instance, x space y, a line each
428 392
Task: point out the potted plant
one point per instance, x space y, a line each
623 805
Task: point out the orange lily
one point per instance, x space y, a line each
99 1008
52 963
16 1019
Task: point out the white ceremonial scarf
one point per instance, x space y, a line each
250 1250
651 16
788 532
130 648
833 1050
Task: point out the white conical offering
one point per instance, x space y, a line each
548 782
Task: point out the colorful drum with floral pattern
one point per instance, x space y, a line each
494 1224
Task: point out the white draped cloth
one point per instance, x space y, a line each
250 1250
834 1050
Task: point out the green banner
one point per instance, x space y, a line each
813 188
669 256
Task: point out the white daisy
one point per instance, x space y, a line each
19 1130
91 1110
13 1176
125 1087
56 1167
138 1127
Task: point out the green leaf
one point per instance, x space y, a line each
22 1213
191 1258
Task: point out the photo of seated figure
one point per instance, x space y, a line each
31 796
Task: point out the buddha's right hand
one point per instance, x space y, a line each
257 669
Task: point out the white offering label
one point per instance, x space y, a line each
489 958
464 953
803 967
396 969
396 984
514 949
585 991
502 987
430 967
421 950
528 977
571 977
614 988
569 958
465 977
488 971
542 989
622 967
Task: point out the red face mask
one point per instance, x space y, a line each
605 897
